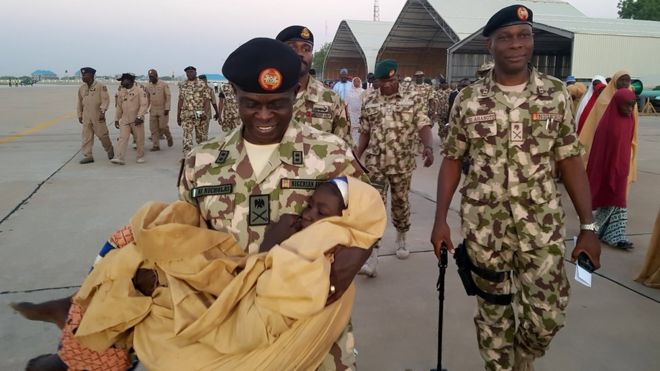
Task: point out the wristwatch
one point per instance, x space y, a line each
592 227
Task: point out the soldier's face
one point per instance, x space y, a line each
191 74
512 48
388 86
324 203
419 80
87 77
153 77
127 83
265 116
304 51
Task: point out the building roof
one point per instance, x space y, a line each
214 76
44 73
356 39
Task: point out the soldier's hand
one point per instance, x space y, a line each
346 265
167 112
276 232
145 281
440 234
80 120
139 121
587 243
428 156
117 124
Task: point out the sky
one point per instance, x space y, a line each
135 35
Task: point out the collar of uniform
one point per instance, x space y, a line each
313 91
291 141
398 94
534 85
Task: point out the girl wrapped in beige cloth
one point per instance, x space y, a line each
216 308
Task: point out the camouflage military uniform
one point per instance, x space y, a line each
511 213
217 178
442 111
321 108
193 94
426 92
229 119
393 124
209 112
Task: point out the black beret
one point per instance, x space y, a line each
263 66
509 16
87 70
386 69
296 33
126 75
189 68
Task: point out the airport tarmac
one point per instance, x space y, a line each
55 215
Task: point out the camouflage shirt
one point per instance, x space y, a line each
321 108
426 92
392 123
229 119
217 177
193 93
512 140
442 105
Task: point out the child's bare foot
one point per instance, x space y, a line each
54 311
46 362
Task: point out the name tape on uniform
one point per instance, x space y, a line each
310 184
222 189
480 118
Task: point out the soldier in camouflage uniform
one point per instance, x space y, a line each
442 108
512 125
194 101
229 119
391 123
424 90
315 105
213 104
270 165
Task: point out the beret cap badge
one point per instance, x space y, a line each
270 79
305 34
522 13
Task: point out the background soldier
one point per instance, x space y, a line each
279 166
316 105
192 106
512 125
392 120
214 104
93 101
228 107
132 104
159 96
442 107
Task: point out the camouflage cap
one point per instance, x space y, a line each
296 33
386 69
263 66
509 16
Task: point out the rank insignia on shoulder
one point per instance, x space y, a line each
259 210
310 184
297 157
214 190
222 157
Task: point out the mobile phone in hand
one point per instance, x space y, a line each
584 262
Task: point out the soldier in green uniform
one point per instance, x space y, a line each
442 107
392 121
194 102
269 166
315 105
228 108
213 104
512 125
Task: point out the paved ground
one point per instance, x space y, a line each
55 213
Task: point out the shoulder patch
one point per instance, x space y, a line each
259 210
222 157
297 157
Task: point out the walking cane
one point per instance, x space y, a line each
442 267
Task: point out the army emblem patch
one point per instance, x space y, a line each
517 133
392 72
259 210
522 13
270 79
305 34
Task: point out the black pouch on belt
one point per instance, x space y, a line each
465 270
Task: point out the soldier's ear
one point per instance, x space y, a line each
233 87
489 45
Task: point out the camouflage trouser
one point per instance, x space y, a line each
229 121
189 125
540 300
342 354
400 205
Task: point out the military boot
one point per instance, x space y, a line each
369 268
401 249
87 160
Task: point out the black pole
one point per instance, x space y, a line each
440 286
